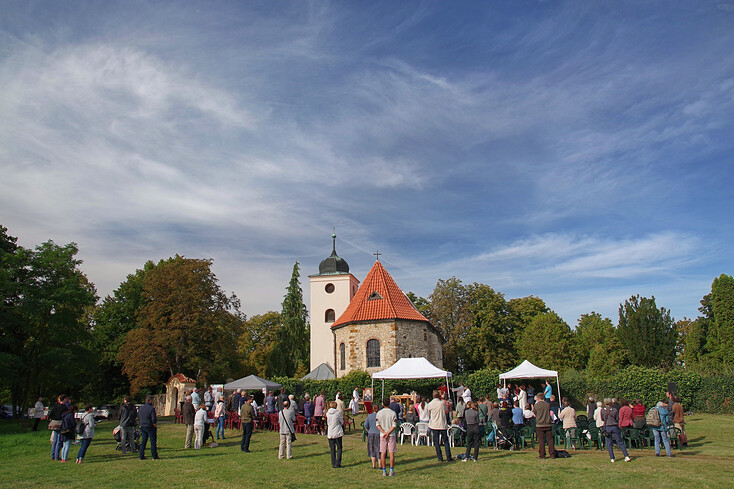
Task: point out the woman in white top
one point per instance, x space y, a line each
199 422
422 410
597 415
335 432
38 413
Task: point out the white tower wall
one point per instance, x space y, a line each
322 339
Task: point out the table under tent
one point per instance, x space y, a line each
410 368
527 370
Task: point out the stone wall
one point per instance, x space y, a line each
398 339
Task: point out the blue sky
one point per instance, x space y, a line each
577 151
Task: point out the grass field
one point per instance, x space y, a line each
25 462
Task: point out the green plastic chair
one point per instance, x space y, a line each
647 437
632 437
674 435
525 435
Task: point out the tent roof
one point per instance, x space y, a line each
252 382
322 372
527 370
411 368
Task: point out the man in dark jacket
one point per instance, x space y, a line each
189 413
128 419
148 428
247 414
543 427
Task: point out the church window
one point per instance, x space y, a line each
374 296
330 316
373 353
329 288
342 356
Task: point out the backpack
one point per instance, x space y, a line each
80 426
653 418
562 454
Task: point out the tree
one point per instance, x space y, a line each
186 324
524 309
547 342
490 341
720 344
597 347
420 303
113 319
45 300
292 353
258 341
647 333
449 313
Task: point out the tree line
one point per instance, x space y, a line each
482 329
173 317
165 318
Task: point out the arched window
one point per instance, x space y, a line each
373 353
342 356
329 316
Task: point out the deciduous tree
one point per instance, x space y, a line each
258 340
45 328
490 340
547 342
449 313
187 324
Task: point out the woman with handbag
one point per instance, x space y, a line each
286 418
68 432
220 414
87 432
54 424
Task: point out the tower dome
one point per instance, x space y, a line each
333 265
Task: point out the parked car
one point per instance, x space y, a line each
106 411
6 411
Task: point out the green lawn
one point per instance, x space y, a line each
25 462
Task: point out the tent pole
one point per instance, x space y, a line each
383 390
558 384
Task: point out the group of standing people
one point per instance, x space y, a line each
65 428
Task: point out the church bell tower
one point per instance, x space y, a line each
331 291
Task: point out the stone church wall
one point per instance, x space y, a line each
398 339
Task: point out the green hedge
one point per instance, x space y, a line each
709 394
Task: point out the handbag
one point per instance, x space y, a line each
54 425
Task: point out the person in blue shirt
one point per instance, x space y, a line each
517 418
548 391
373 439
662 430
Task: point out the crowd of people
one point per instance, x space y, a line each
516 407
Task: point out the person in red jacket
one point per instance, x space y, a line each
626 414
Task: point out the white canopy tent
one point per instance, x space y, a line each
410 368
527 370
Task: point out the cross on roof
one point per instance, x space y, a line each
377 255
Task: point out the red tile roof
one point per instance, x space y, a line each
182 378
389 302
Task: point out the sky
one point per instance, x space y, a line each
581 152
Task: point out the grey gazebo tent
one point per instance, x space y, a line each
322 372
251 382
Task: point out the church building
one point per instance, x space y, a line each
368 326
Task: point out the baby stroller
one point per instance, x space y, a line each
503 438
118 438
